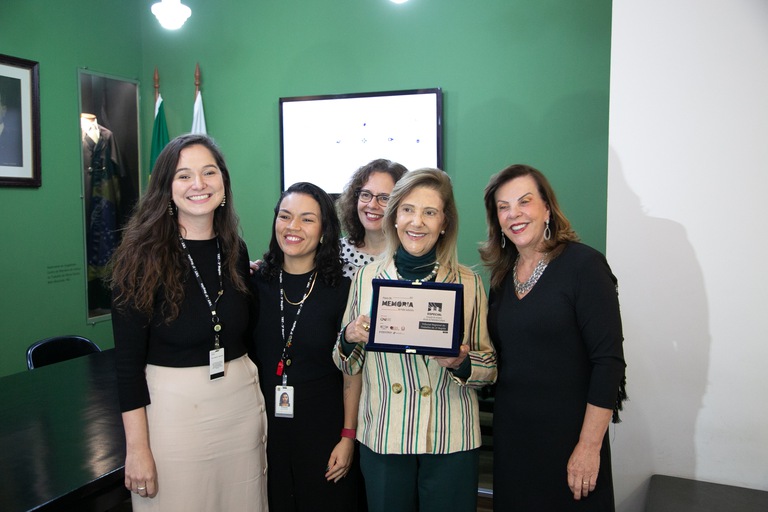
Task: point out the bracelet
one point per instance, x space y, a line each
348 432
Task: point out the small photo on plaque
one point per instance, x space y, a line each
416 317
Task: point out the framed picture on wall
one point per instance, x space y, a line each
19 122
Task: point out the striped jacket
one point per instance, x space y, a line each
409 403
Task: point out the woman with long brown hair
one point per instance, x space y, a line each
192 409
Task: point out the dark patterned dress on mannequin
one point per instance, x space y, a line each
102 203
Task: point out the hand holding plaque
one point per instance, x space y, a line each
453 363
357 330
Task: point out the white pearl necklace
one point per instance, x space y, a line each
429 276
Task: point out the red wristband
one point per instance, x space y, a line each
348 432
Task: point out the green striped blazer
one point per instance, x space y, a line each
409 403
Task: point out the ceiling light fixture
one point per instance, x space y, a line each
171 13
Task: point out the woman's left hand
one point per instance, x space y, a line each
584 464
453 362
341 460
583 467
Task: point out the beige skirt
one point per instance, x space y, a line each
208 439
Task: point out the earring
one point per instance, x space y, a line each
547 231
322 237
170 208
395 226
503 240
442 232
223 201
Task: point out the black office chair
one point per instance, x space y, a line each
57 349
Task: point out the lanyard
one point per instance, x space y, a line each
215 320
284 360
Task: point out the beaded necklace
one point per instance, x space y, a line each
414 268
428 277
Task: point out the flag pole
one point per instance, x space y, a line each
198 113
197 78
159 127
157 84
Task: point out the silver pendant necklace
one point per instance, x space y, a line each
523 288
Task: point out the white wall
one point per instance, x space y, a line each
687 211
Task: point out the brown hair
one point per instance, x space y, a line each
150 257
347 204
500 260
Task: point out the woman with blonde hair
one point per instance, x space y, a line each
418 420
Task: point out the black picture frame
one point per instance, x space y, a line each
20 116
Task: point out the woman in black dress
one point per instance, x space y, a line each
300 298
554 319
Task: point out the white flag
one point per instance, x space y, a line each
198 116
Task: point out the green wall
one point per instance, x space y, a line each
41 230
523 81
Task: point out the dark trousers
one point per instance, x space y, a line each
423 483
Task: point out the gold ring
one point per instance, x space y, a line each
366 327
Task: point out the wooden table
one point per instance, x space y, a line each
62 445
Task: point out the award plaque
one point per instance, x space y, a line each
416 317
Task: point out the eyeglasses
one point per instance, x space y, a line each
365 196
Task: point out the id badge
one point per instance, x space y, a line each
284 401
216 360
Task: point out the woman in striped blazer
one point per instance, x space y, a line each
418 420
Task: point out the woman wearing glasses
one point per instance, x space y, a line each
361 210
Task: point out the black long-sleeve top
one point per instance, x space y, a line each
313 339
186 341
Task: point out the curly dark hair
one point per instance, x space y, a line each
150 257
500 260
347 204
327 261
